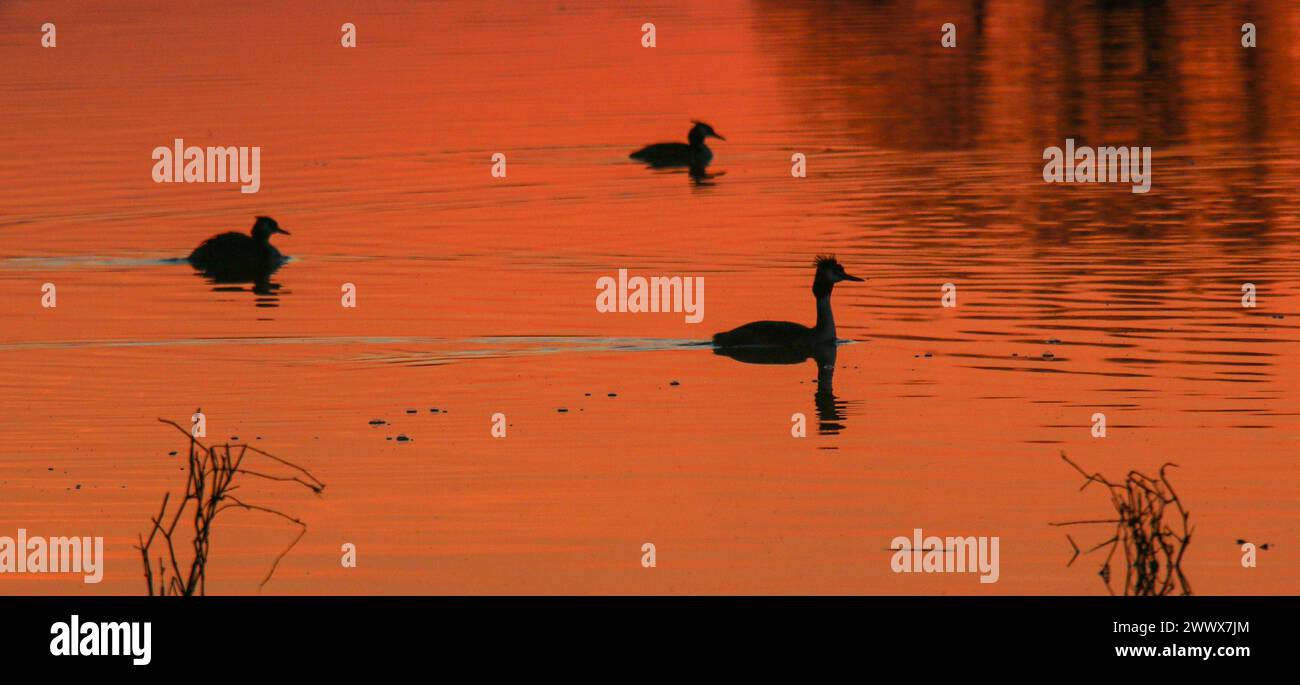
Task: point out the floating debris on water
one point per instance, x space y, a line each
562 410
377 422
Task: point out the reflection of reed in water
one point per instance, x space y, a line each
1153 548
210 483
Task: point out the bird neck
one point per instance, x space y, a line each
824 331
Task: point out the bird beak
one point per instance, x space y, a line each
852 278
281 230
717 135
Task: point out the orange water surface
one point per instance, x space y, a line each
476 294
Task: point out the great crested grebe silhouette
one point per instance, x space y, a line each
790 334
694 155
786 342
233 258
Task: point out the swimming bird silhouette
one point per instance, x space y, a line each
694 154
788 333
238 253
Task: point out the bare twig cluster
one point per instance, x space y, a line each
209 486
1153 547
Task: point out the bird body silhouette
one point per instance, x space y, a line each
694 154
788 333
237 252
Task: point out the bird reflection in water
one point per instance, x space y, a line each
831 410
258 282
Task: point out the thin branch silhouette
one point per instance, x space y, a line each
1153 548
210 480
